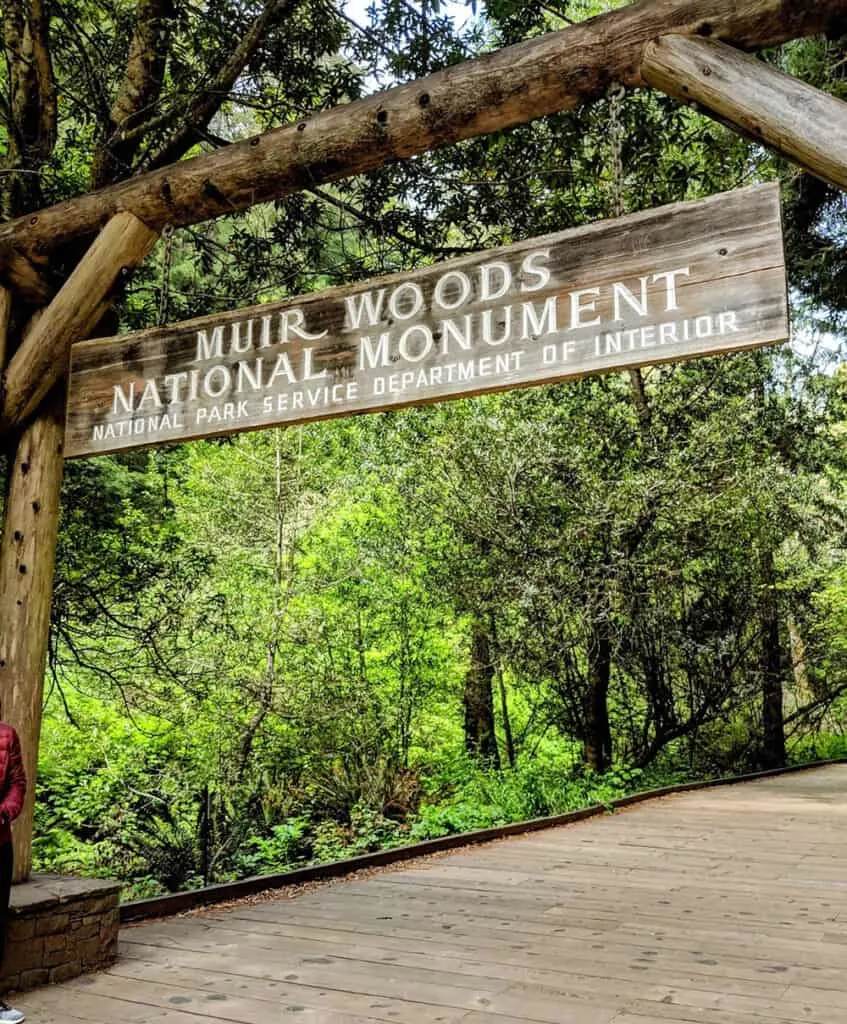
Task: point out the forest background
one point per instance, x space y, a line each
300 644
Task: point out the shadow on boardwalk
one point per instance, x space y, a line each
724 906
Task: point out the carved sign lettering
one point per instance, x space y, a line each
674 283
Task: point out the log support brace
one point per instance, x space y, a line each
802 123
77 308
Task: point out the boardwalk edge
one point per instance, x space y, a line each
179 902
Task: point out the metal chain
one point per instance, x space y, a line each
615 95
165 289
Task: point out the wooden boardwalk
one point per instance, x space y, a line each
724 906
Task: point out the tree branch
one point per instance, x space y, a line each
377 225
139 90
32 110
199 111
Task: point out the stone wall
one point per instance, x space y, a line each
59 927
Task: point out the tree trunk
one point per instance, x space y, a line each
28 549
598 732
773 725
805 692
639 400
480 737
507 721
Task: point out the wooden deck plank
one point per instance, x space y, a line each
259 991
308 961
578 956
597 917
619 942
681 970
725 906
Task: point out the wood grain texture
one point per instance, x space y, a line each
43 357
714 907
801 122
27 557
5 322
24 278
686 280
554 72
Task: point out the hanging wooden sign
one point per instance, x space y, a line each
686 280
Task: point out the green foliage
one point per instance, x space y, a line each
820 747
368 831
533 789
261 645
283 847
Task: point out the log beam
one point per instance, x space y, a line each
43 356
555 72
804 124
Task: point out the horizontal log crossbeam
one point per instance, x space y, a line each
552 73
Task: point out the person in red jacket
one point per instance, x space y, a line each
12 793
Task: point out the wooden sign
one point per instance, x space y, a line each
686 280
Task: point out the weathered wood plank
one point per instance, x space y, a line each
680 963
269 998
554 72
159 1005
91 1007
317 964
687 280
801 122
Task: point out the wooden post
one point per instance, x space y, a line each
43 356
27 556
801 122
28 546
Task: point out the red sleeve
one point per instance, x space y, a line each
13 801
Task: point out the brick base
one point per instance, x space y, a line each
59 926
